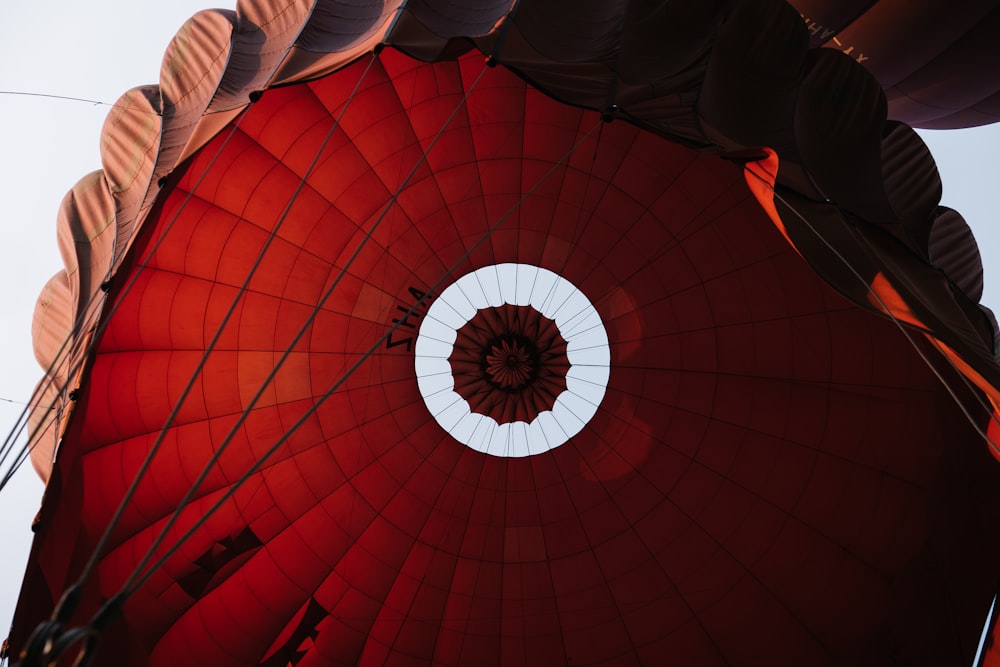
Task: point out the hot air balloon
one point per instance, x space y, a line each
936 60
494 333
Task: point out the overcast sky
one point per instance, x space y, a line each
98 49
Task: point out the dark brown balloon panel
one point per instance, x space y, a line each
767 480
935 60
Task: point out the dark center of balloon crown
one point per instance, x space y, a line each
511 361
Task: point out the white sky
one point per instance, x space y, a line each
99 49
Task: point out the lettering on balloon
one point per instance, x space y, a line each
224 552
406 319
818 29
300 641
823 33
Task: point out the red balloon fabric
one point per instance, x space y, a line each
481 374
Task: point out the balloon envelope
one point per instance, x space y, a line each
524 386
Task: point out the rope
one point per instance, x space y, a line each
138 582
23 93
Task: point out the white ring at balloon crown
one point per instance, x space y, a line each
554 297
